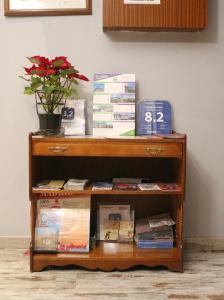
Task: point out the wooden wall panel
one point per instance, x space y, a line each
189 15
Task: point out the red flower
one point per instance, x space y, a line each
40 60
50 72
40 71
65 65
79 76
29 70
59 58
61 62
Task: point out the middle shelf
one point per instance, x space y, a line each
88 191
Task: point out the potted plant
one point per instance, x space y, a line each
52 82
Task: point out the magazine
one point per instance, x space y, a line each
64 223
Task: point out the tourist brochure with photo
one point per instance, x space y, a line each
107 213
114 105
63 225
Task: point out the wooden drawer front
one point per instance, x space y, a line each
108 149
160 150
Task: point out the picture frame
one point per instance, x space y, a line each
22 8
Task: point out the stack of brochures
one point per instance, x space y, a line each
126 183
102 185
63 225
115 223
149 187
75 184
114 105
155 232
50 185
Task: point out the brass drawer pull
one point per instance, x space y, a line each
154 151
57 149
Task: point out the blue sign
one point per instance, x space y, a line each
154 117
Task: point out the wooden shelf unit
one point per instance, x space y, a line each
109 256
160 159
169 15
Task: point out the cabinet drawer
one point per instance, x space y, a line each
98 148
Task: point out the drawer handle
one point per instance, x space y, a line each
57 149
154 151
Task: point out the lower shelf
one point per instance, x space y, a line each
111 256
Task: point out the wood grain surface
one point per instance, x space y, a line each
203 279
173 15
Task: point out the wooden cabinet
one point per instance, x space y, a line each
157 158
169 15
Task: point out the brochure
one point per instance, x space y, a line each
63 225
114 105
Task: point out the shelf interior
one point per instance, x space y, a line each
105 168
105 250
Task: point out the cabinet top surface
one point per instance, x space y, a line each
177 137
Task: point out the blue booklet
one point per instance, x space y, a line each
154 117
167 244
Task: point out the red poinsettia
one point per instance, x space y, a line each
52 78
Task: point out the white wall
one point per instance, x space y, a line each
185 68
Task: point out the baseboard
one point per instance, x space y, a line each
194 244
204 244
14 242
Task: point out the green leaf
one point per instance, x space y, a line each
36 80
58 63
22 77
28 90
48 90
34 60
67 92
35 86
68 72
53 78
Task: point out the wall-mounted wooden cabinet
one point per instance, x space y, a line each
159 15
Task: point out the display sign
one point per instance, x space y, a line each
114 105
153 117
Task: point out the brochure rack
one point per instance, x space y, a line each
161 159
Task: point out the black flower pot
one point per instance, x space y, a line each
50 124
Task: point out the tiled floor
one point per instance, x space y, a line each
203 278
